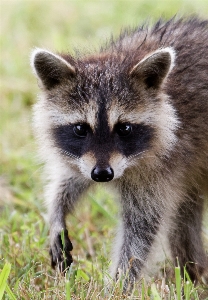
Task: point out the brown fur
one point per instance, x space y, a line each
154 83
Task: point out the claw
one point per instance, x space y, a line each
60 252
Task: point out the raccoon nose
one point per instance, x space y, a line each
102 174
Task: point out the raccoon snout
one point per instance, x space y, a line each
102 174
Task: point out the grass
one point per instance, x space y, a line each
24 260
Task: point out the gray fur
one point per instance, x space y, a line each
152 86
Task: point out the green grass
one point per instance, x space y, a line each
62 26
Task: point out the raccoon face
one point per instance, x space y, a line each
101 118
103 153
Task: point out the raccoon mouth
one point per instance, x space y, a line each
102 174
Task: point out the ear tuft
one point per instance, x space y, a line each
50 68
153 69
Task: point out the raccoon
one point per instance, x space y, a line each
135 117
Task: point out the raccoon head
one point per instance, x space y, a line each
102 114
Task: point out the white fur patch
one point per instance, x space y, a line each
86 114
160 251
86 163
118 243
118 163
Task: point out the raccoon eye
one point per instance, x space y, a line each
81 130
123 129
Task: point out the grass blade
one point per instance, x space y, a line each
178 282
10 294
154 292
143 290
3 278
68 293
102 209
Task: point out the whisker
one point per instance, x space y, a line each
137 154
69 154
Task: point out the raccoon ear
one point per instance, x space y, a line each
153 69
50 68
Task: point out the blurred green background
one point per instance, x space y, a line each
56 26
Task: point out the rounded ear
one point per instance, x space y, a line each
50 68
153 69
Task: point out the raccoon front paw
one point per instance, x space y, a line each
60 252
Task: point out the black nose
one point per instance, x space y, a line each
102 174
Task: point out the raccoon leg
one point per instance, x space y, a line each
185 237
135 238
64 195
60 251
